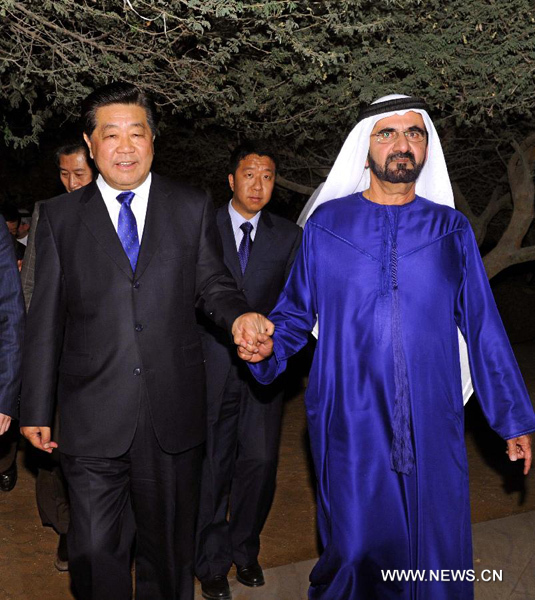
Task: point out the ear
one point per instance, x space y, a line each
88 142
231 181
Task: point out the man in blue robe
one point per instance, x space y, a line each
391 272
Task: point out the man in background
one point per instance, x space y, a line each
23 230
11 333
76 170
13 220
10 441
244 418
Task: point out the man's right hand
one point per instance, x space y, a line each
39 437
5 422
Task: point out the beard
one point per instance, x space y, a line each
400 174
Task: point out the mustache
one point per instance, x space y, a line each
393 157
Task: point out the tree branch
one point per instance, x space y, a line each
294 187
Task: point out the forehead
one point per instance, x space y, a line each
400 122
254 161
76 159
120 114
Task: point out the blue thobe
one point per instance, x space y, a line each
370 517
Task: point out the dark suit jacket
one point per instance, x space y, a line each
105 336
27 274
274 248
11 324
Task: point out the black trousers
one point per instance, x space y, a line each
51 489
147 494
239 470
8 446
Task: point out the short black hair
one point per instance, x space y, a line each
72 146
118 92
250 147
10 213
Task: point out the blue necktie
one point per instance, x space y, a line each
245 245
127 228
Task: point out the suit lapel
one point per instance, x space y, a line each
229 243
159 210
261 246
94 214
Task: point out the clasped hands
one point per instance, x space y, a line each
252 334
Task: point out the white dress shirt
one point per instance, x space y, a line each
238 220
138 205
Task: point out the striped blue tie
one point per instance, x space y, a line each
127 228
245 246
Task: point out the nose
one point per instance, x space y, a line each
73 183
125 144
401 144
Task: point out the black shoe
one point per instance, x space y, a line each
8 478
251 575
61 561
216 588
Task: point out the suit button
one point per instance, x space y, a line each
136 285
139 327
137 371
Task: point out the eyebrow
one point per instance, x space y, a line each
391 130
112 125
255 169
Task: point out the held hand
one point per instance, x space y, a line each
250 330
39 437
520 447
265 350
5 422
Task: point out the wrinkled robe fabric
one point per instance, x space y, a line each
371 518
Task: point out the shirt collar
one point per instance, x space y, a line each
108 192
238 220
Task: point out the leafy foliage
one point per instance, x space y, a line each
293 71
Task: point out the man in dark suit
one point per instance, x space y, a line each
76 169
121 265
11 333
243 417
9 348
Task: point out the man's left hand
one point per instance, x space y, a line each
520 447
250 330
265 350
5 422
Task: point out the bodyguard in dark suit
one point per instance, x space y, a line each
121 266
243 417
11 330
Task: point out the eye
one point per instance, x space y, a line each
386 135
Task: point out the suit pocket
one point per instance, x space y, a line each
80 365
192 355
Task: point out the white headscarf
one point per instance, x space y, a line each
349 175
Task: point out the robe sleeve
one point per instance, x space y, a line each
294 314
497 380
